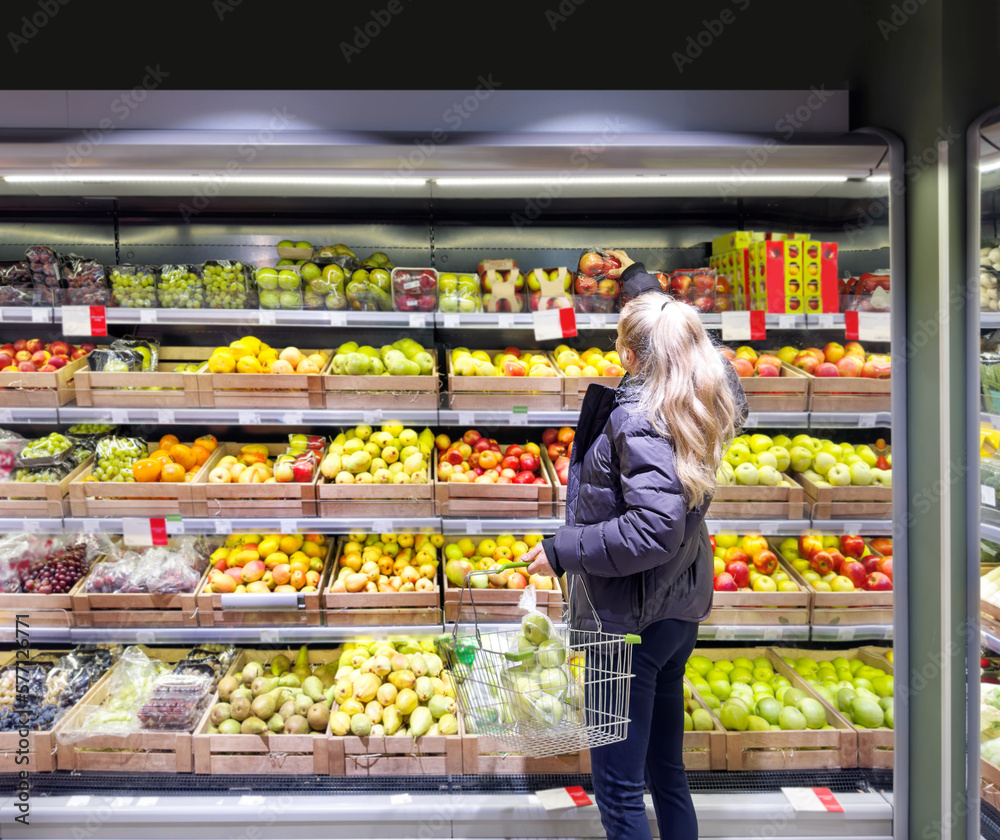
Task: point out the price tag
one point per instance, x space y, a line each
6 415
845 634
475 526
119 416
466 418
84 320
988 495
165 416
144 532
768 529
519 415
175 523
556 799
598 321
372 417
293 418
850 528
223 526
725 633
41 315
248 418
145 637
269 636
553 324
744 326
825 321
400 799
91 526
452 320
867 326
505 320
867 421
786 322
338 319
418 320
772 633
147 316
289 526
387 524
31 526
813 799
751 422
267 318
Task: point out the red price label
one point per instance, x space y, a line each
98 320
158 529
579 796
851 325
829 801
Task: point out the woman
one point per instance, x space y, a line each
641 477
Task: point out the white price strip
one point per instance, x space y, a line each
786 322
269 636
772 633
825 322
466 418
735 326
598 321
6 415
519 416
293 418
452 320
873 326
40 315
418 320
289 526
845 634
31 526
267 318
556 799
813 799
165 416
119 416
850 528
91 526
400 799
223 526
145 637
248 418
475 527
137 532
383 526
372 417
338 319
867 421
505 320
768 528
175 524
988 495
725 633
147 316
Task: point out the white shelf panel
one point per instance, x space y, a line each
243 635
500 526
848 420
990 532
768 527
251 317
834 633
778 420
766 633
825 321
521 320
26 314
448 417
225 525
29 415
868 527
243 417
31 526
989 320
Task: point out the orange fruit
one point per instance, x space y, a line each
299 566
162 456
207 442
172 472
146 469
183 455
298 579
201 455
167 441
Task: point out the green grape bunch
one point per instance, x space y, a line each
133 288
180 288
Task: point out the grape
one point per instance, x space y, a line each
133 287
180 287
225 285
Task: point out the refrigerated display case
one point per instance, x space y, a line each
447 220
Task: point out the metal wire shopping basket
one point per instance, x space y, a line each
541 696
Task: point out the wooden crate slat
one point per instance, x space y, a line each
41 390
414 393
502 393
180 390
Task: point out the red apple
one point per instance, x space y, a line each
806 362
855 571
854 347
744 367
837 557
453 456
562 473
852 545
79 353
33 345
59 361
60 348
766 562
471 436
478 470
585 285
723 286
22 356
530 462
6 358
20 344
550 436
704 284
871 563
809 544
47 369
821 562
591 264
481 445
8 347
704 303
523 477
826 369
514 449
739 572
725 583
876 370
885 567
26 367
883 545
849 366
608 288
510 462
516 581
555 450
88 346
41 357
539 480
878 582
768 370
723 304
735 554
681 285
611 262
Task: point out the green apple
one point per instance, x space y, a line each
310 271
823 462
768 476
302 245
834 450
267 279
841 584
781 440
288 280
801 458
286 243
865 454
861 474
765 459
747 474
839 475
782 456
760 443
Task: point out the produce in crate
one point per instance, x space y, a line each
115 457
475 458
838 564
748 363
251 355
46 565
49 447
746 563
392 688
752 460
253 464
847 360
404 357
747 695
392 455
253 563
459 293
696 717
558 445
467 555
387 563
511 362
829 464
590 362
158 569
862 693
173 460
33 355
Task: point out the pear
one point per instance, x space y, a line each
420 721
240 708
303 703
280 664
296 725
301 668
242 691
276 723
289 680
263 685
318 717
424 688
251 671
253 726
313 687
226 686
340 723
230 727
265 705
287 709
219 713
326 675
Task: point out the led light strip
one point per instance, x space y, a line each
291 180
532 180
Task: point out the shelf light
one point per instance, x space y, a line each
635 180
878 179
990 166
272 180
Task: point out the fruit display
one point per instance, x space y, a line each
254 464
828 464
404 357
46 566
459 293
752 460
839 564
550 288
596 290
288 249
279 288
162 570
747 564
590 362
503 286
847 360
256 564
558 445
115 458
697 718
748 362
695 287
180 287
747 695
134 286
868 292
85 281
227 285
862 693
324 286
392 455
16 288
33 355
989 265
466 556
478 459
382 689
172 460
509 362
83 430
44 266
45 449
369 288
388 563
251 355
414 289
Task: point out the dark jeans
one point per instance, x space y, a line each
651 756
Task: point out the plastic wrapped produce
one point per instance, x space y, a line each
175 702
228 284
988 276
158 570
116 456
16 287
133 286
596 290
86 284
370 290
44 266
503 286
30 563
180 287
324 286
550 288
279 288
45 451
459 293
414 289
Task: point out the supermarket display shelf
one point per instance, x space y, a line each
990 531
43 525
777 419
849 420
26 314
989 320
851 632
357 813
485 525
777 527
767 633
225 525
868 527
242 417
29 415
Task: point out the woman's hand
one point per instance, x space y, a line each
539 563
623 258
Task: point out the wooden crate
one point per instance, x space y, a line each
41 390
787 392
461 498
989 782
846 608
850 394
264 390
734 501
139 752
762 608
378 501
378 608
54 610
502 393
575 387
875 746
396 755
37 499
218 610
410 393
262 754
558 490
811 749
846 502
40 745
290 499
485 756
497 605
704 750
179 390
139 499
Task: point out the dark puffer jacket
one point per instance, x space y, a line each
628 535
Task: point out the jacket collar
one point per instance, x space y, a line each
626 392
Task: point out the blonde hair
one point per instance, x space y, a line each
681 385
